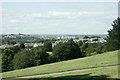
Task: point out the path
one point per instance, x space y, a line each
51 74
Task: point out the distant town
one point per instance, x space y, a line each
58 39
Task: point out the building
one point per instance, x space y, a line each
31 45
5 46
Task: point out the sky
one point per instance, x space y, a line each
58 17
60 0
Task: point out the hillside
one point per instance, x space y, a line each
100 73
105 59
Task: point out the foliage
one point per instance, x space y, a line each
89 49
113 38
95 37
79 43
22 45
17 40
83 48
26 40
95 40
84 41
48 46
85 37
15 49
23 59
65 51
0 63
41 57
100 60
7 58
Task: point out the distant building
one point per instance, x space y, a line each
58 37
5 46
30 45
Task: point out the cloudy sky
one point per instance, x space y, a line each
58 17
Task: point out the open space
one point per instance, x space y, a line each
102 73
105 59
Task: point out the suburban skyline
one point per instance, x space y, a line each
58 17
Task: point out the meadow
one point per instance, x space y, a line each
100 60
102 73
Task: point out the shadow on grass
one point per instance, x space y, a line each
75 77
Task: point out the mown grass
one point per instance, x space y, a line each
101 73
105 59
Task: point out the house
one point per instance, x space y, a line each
31 45
5 46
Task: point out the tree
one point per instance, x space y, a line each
83 49
22 45
95 39
85 37
15 49
113 38
66 51
79 43
84 41
48 46
23 59
7 60
41 57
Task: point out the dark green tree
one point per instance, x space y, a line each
48 46
85 37
41 57
15 49
23 59
66 51
7 60
95 39
83 49
84 41
79 43
22 45
113 38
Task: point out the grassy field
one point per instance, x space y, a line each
102 73
105 59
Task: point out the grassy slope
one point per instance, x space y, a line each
102 73
105 59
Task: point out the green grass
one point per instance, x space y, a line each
105 59
102 73
50 53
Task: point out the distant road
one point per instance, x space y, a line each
52 74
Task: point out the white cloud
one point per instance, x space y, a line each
56 13
60 0
75 14
15 21
34 15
